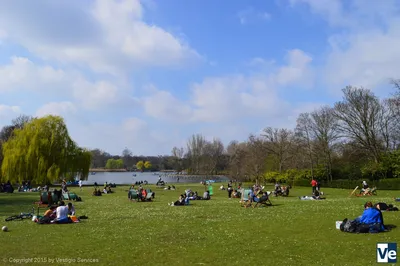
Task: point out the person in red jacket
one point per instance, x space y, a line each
314 185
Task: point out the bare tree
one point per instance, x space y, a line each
359 113
237 156
303 133
215 153
279 143
178 155
324 126
256 157
195 151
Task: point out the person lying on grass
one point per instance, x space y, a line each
194 196
316 196
180 202
371 221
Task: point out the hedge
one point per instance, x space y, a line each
383 184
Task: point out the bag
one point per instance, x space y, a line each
44 220
74 219
349 226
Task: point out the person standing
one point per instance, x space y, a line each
314 185
80 184
230 189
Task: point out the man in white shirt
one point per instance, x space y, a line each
62 213
80 184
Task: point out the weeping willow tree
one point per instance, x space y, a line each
42 151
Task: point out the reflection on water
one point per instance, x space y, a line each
151 178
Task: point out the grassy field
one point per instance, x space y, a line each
215 232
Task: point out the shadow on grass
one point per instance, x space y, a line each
390 226
17 201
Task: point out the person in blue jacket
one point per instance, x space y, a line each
372 217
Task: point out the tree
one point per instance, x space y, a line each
99 158
178 155
237 159
147 165
114 164
304 135
324 126
127 157
279 143
140 165
7 131
195 151
256 157
358 114
42 151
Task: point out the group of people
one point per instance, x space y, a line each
142 193
99 192
6 187
371 220
281 190
190 195
60 213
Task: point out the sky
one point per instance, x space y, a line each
146 75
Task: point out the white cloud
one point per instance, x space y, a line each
250 15
95 95
57 108
369 58
163 105
234 98
22 73
8 113
111 38
366 52
331 10
297 69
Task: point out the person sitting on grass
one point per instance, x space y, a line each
61 213
179 202
71 209
109 190
235 194
371 221
49 215
144 194
105 190
278 189
206 195
96 192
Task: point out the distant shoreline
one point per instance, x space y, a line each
94 170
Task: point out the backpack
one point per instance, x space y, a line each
349 226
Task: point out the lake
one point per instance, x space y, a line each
151 178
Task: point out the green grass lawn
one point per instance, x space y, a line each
215 232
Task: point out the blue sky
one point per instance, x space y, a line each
148 74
